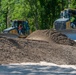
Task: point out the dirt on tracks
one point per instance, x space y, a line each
41 45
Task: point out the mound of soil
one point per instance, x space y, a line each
49 36
43 48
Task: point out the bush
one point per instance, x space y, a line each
2 27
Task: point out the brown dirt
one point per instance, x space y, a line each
51 35
41 45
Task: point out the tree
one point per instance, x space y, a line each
40 13
50 9
72 5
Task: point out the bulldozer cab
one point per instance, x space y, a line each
25 26
68 13
64 14
14 29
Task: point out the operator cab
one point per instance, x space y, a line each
67 13
25 26
64 14
15 25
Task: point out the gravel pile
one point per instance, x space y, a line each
49 36
41 45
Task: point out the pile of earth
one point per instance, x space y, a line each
51 35
41 45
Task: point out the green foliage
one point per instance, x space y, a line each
2 27
40 13
73 4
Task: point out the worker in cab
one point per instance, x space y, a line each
20 29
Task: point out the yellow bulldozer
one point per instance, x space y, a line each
14 29
64 24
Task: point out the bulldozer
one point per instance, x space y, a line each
64 24
14 29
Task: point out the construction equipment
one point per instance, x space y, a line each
14 28
64 21
64 25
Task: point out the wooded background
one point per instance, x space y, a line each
39 13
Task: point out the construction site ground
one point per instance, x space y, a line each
41 45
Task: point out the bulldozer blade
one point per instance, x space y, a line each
70 33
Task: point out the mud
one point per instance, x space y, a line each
41 45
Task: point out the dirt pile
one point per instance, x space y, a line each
49 36
16 50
